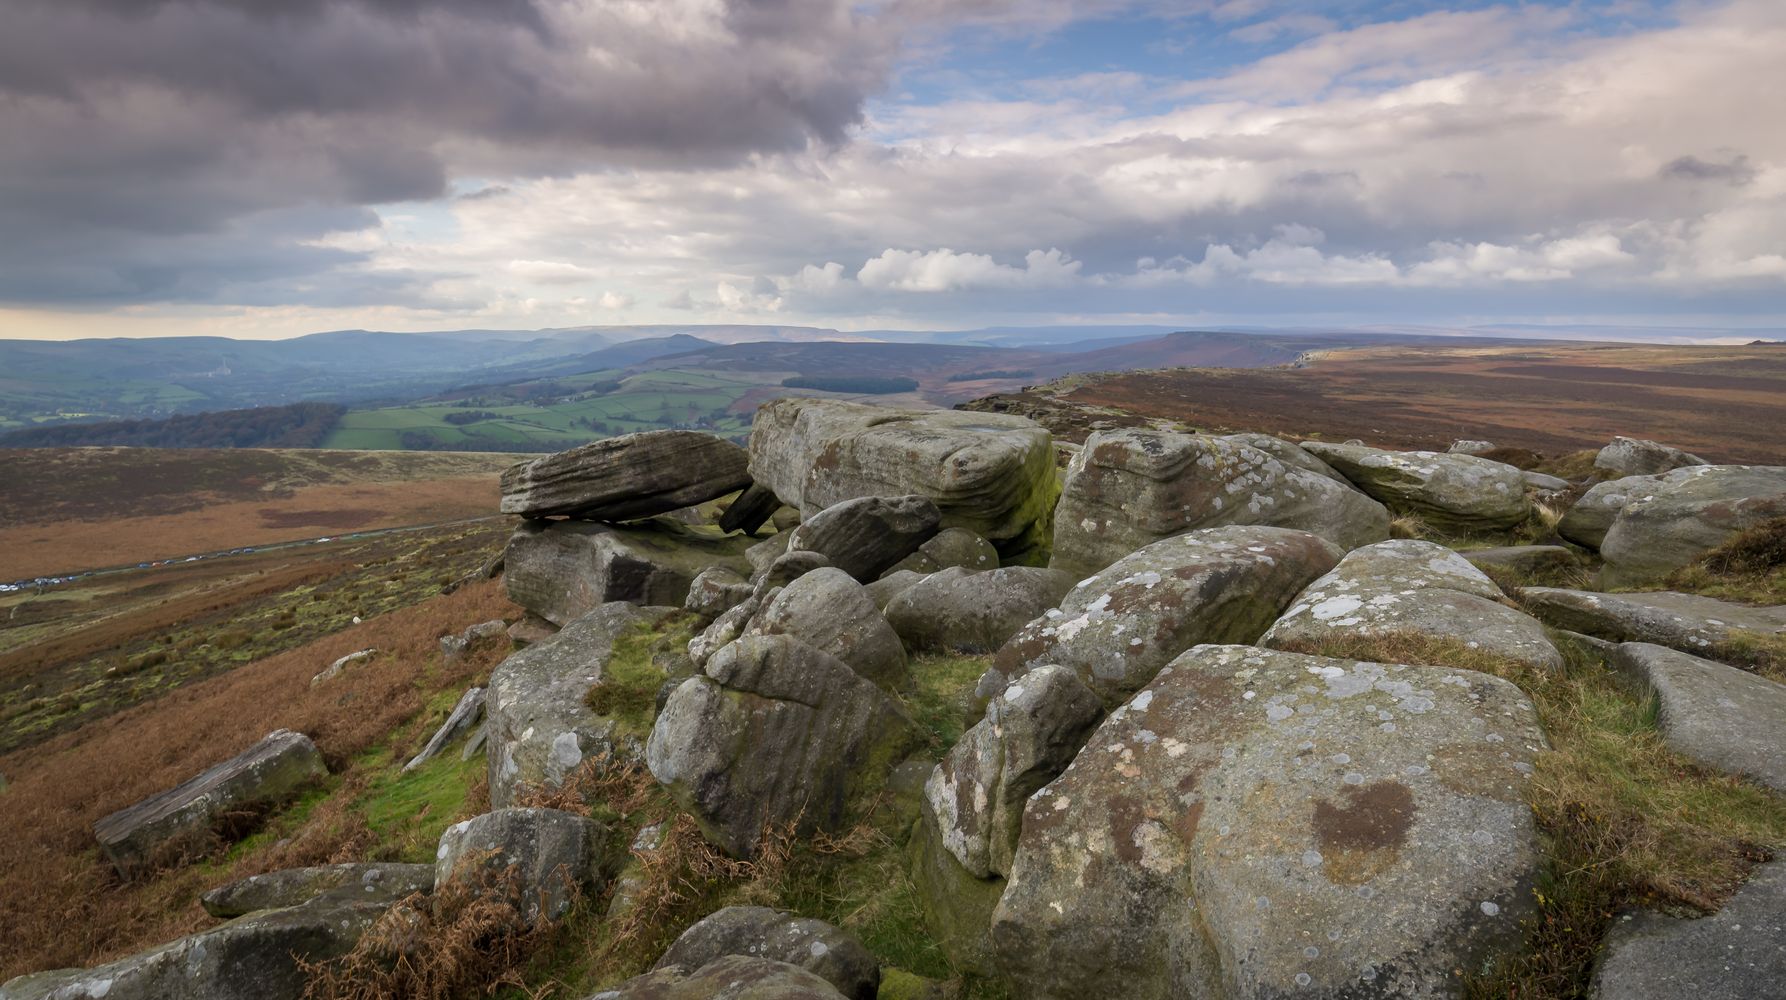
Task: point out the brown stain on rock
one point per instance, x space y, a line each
1363 833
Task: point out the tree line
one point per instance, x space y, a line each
297 425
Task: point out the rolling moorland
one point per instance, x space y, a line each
179 664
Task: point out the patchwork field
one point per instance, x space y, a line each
1727 404
70 509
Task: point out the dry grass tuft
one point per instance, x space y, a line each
1410 526
1750 568
1626 821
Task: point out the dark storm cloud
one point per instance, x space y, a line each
1735 173
129 124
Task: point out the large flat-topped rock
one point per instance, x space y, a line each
1686 514
625 477
1129 488
560 570
1262 824
1416 588
1688 622
164 826
1738 953
1455 491
1722 717
989 473
1625 456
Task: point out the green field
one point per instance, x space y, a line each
579 410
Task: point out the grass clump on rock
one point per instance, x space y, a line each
1627 822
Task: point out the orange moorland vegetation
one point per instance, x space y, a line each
60 904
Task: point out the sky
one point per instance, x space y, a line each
266 168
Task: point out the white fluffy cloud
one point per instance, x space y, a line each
945 270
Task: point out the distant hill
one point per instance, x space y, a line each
300 425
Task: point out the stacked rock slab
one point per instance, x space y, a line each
164 826
563 569
829 611
1636 457
541 726
626 477
989 473
1116 629
1264 824
1687 514
963 611
1131 487
1409 587
1453 491
1691 623
773 733
865 536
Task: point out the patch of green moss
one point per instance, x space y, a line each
632 677
941 698
408 811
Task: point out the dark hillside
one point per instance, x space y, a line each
300 425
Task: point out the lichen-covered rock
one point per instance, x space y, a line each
989 473
1116 629
760 932
829 611
1738 953
1590 518
541 725
969 612
734 977
1688 513
551 857
1727 719
254 957
1412 587
865 536
1691 623
892 585
773 732
626 477
459 722
1637 457
1131 487
1288 452
1264 824
950 547
376 881
335 669
452 647
1464 447
563 569
167 826
1454 491
974 798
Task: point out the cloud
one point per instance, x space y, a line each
550 272
1736 173
945 270
615 300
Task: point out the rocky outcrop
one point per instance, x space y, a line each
1263 824
760 932
1727 719
296 886
1465 447
1688 622
1452 491
829 611
1688 513
626 477
892 585
339 666
974 612
750 510
773 732
459 722
716 590
864 537
1408 587
453 647
1288 452
254 957
551 857
563 569
734 977
1131 487
973 802
951 547
1636 457
166 827
541 726
1738 953
989 473
1118 628
1590 518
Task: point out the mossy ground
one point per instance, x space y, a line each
1626 821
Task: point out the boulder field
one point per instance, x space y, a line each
1135 728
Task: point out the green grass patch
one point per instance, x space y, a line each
408 811
941 699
